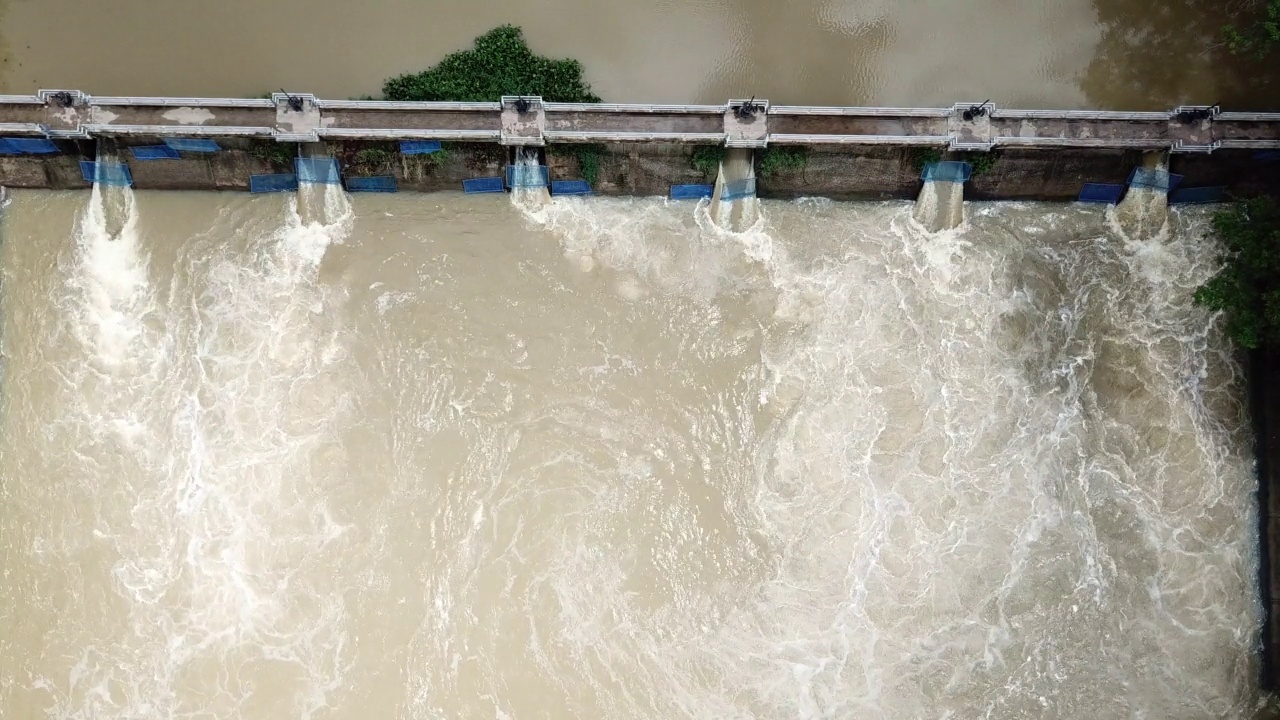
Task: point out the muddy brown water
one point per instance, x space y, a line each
439 456
1110 54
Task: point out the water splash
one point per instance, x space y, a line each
738 214
111 275
528 194
219 589
971 468
940 205
831 466
1142 216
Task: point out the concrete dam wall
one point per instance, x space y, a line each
843 153
840 153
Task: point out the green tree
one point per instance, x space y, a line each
501 63
1247 288
1258 37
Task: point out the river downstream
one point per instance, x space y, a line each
444 456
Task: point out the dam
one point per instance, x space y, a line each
306 450
849 152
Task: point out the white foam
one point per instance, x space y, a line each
940 205
832 465
223 523
111 274
945 490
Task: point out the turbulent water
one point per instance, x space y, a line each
450 457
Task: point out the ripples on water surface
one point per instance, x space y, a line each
441 457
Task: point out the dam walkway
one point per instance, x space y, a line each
69 114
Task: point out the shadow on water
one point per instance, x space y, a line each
1155 54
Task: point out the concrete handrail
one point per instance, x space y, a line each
1249 144
1247 117
179 130
1150 143
180 102
796 139
408 105
410 134
21 129
636 108
1077 115
570 136
858 111
73 114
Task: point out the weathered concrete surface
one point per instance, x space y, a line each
975 130
633 123
841 172
23 114
751 131
1048 175
626 169
660 123
412 120
852 173
856 125
1085 129
1239 170
64 173
875 173
437 172
183 116
523 128
1244 129
53 172
24 172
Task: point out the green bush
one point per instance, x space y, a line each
589 161
588 156
774 160
1247 288
275 154
501 63
440 156
979 162
706 159
922 156
374 157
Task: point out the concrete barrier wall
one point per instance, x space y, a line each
1263 379
844 172
637 149
1049 175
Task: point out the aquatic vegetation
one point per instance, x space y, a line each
500 63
